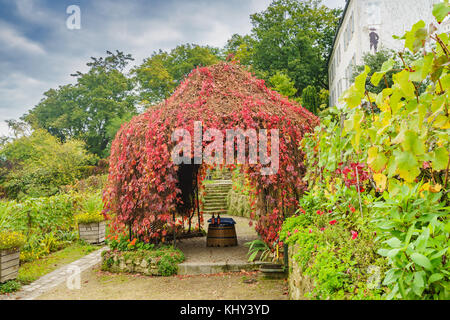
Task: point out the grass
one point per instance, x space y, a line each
31 271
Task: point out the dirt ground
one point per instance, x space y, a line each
98 285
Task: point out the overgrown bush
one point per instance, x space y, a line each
41 165
47 222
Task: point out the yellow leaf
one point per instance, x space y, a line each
436 188
425 187
381 180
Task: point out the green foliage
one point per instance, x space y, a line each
256 247
89 217
310 99
283 84
397 140
415 235
40 215
11 240
89 110
158 76
341 267
90 208
168 263
41 164
32 269
241 49
47 222
10 286
383 58
294 37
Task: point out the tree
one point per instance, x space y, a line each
310 99
38 164
375 62
283 84
85 110
241 49
159 75
295 37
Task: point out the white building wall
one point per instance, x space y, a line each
384 17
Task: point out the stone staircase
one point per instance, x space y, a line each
215 199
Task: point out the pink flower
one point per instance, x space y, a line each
332 222
289 233
354 234
321 229
296 231
310 231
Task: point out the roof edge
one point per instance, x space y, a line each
341 21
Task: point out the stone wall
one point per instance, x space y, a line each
116 261
238 204
299 284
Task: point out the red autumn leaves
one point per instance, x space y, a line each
353 174
142 185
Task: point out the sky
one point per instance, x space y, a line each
39 52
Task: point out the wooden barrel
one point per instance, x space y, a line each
223 235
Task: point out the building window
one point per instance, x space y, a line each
349 30
338 54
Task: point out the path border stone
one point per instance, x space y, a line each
55 278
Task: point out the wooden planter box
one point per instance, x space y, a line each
92 232
9 264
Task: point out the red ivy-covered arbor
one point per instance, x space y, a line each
145 186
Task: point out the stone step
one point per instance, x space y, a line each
216 202
217 190
219 184
196 268
215 208
222 202
215 195
221 211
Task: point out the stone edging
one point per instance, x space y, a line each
55 278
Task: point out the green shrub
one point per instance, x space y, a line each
378 168
11 240
340 266
42 165
90 209
10 286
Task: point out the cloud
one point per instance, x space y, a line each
11 39
38 52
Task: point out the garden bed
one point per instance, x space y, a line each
156 262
